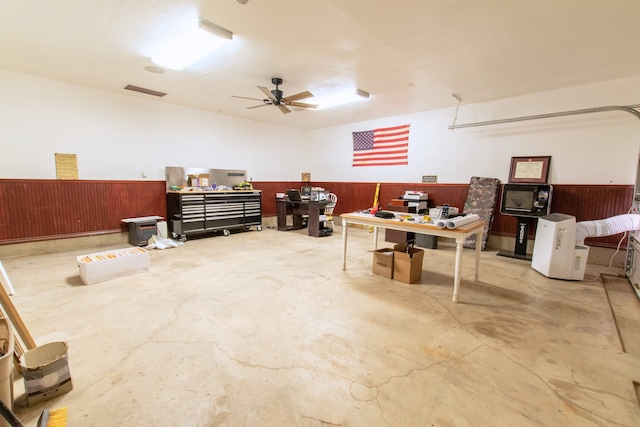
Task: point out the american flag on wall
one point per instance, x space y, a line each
381 147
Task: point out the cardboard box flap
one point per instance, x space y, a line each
384 251
402 252
44 355
407 263
400 247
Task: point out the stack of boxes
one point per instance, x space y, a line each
402 263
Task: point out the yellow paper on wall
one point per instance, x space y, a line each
66 166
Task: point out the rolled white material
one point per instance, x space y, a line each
459 221
606 227
441 223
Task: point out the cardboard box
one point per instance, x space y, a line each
199 180
46 372
109 265
407 263
383 262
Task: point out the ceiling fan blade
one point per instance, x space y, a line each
301 95
302 104
245 97
257 106
267 92
284 109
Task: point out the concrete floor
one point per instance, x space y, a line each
266 329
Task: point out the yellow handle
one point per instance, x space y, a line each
375 202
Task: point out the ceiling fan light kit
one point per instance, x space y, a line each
275 97
195 43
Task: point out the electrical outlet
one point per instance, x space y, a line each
430 178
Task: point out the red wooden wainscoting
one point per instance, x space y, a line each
46 209
585 202
33 210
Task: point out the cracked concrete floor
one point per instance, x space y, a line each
265 329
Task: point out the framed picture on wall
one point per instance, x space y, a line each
529 169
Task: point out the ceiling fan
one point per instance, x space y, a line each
274 97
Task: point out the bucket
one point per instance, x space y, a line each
6 366
46 372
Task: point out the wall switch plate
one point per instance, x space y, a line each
430 178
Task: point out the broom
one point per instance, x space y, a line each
53 418
8 415
48 418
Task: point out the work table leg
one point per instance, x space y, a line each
456 274
344 244
478 251
375 238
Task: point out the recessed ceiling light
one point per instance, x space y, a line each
198 41
154 69
340 98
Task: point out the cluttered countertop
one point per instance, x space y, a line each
400 210
206 180
455 222
244 187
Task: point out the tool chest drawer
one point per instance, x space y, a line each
209 212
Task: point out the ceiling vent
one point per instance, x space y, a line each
144 90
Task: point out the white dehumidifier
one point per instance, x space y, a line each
555 252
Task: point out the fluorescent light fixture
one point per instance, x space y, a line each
197 42
341 98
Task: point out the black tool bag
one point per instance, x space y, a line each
385 215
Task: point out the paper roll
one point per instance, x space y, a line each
459 221
441 223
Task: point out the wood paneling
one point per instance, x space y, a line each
585 202
354 196
46 209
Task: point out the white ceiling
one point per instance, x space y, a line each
410 55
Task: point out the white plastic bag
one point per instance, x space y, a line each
157 242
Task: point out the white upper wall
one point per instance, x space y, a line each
599 148
122 137
128 137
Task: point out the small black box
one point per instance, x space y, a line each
141 232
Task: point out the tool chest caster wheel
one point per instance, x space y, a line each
181 237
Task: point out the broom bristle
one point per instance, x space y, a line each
53 418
